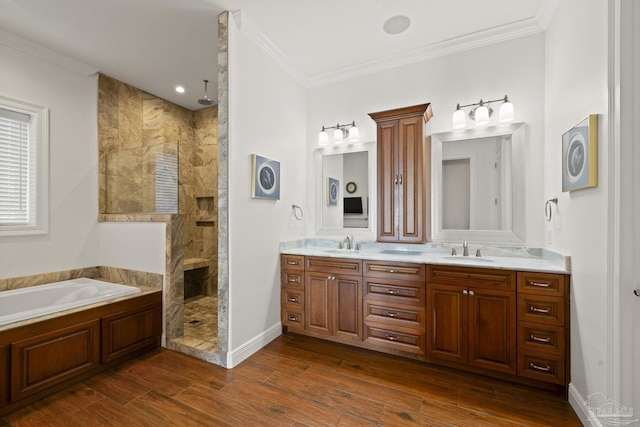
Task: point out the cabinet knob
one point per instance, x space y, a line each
465 292
471 293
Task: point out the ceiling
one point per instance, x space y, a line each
157 44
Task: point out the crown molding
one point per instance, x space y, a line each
48 55
447 47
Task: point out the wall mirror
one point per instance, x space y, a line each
346 190
478 185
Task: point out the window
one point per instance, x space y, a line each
23 168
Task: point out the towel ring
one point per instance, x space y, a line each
297 212
547 208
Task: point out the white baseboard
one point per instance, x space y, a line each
584 412
247 349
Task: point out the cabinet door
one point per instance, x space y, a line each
388 181
318 303
411 180
130 332
42 361
492 330
5 371
348 307
447 322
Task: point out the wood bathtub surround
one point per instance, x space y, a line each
503 323
41 356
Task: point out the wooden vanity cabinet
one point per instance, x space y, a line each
292 291
404 183
543 320
333 297
394 305
5 372
472 316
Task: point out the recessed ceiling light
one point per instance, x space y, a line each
179 89
396 24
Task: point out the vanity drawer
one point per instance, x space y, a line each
541 283
395 270
541 337
292 262
471 276
293 297
395 291
541 309
352 267
293 279
389 316
409 342
292 318
541 366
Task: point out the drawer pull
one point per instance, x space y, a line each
294 279
391 270
539 368
391 337
392 314
293 262
540 284
392 291
539 339
539 310
293 318
293 299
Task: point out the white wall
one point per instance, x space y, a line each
576 86
267 116
135 246
514 68
72 241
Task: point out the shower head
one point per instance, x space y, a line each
206 100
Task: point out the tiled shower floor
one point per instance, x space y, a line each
201 323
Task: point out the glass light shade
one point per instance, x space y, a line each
354 134
482 115
323 139
459 119
338 136
506 112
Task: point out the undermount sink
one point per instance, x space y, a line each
469 259
341 251
399 252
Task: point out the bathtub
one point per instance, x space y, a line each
34 301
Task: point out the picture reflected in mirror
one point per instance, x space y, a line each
351 211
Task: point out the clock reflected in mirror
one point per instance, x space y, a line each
265 178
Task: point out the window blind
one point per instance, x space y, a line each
17 157
166 183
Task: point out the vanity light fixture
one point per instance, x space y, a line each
481 111
339 134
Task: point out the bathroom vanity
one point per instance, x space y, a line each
500 316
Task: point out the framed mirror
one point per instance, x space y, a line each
478 185
352 210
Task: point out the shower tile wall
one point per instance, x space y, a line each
132 124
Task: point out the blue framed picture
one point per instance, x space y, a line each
332 191
580 155
265 178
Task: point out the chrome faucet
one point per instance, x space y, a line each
465 248
349 241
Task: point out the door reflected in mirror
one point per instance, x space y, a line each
352 172
476 184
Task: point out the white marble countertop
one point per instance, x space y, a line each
505 258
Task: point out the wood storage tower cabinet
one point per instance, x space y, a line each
404 174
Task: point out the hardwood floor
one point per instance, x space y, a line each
294 381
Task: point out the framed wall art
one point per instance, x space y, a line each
265 178
580 155
332 191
